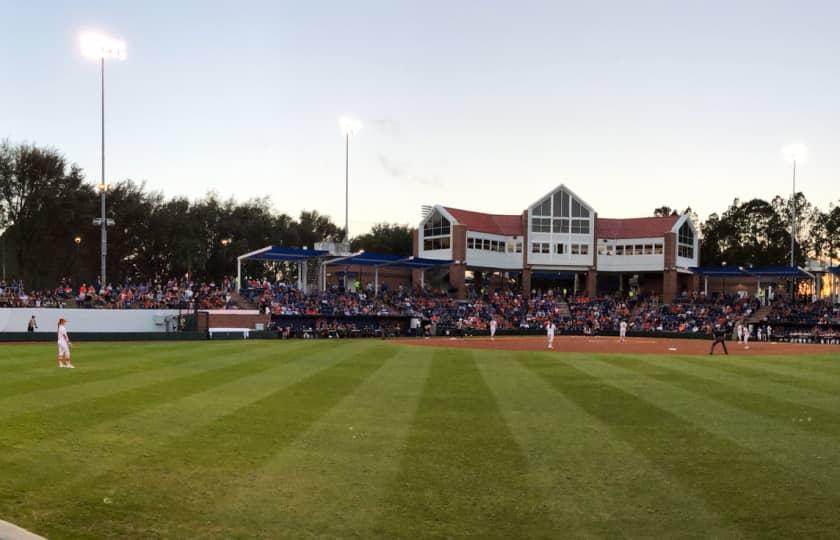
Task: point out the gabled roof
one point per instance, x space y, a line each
647 227
506 225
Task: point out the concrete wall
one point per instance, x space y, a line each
87 320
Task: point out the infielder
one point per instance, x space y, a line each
550 329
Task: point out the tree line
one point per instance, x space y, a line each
47 210
757 232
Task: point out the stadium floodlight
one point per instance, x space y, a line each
349 126
98 46
793 153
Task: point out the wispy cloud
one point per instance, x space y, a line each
388 126
401 172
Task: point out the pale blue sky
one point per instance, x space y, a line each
482 105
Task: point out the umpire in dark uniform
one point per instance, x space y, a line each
719 334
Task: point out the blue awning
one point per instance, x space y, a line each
835 270
281 253
395 261
719 271
786 272
541 274
781 272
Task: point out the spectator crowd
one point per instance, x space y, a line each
440 311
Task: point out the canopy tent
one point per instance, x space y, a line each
279 254
378 261
766 273
835 270
302 256
719 271
782 272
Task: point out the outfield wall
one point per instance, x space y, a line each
91 320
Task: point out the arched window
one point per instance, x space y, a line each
560 213
685 241
436 232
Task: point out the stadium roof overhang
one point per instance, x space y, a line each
277 254
378 261
782 272
397 261
282 254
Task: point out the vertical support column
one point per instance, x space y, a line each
299 277
376 280
238 273
669 273
416 276
459 255
526 283
592 282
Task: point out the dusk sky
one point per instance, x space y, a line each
479 105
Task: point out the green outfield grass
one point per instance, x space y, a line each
368 439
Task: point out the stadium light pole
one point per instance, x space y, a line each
793 153
349 126
100 47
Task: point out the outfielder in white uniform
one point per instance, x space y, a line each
492 328
550 329
622 331
63 346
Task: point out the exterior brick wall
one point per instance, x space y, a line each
230 320
459 254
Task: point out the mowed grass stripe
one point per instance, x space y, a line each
821 386
806 365
806 452
21 360
27 429
813 389
590 483
108 364
798 367
52 474
187 359
181 479
331 480
746 487
462 473
748 395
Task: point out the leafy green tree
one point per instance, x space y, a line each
385 238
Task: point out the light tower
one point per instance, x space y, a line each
100 47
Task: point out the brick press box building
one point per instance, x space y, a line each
560 240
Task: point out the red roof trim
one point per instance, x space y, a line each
505 225
648 227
